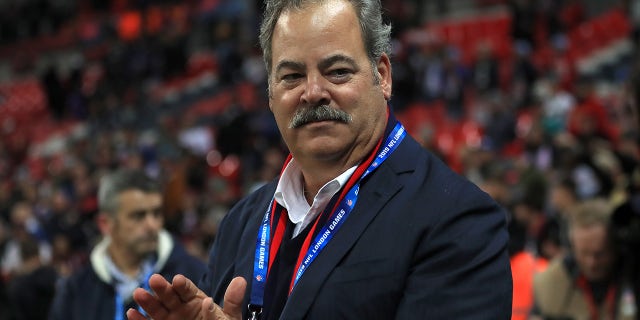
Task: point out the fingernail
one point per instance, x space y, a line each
212 306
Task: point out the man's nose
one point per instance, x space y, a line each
315 90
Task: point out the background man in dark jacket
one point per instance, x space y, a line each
134 246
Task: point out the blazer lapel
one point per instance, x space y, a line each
376 192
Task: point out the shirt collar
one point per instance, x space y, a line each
290 196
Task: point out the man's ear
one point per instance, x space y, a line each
270 97
384 74
105 223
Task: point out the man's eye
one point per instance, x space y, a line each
291 77
340 72
141 214
340 75
138 215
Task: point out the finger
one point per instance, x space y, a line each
175 294
150 303
133 314
234 297
157 281
186 289
212 311
170 294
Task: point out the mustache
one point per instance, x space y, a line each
149 237
318 113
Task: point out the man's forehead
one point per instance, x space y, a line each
326 21
316 12
303 5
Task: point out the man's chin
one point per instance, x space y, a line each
596 276
147 249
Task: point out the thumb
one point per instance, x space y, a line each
233 298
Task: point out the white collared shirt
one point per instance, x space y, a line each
289 195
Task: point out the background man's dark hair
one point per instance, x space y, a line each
111 185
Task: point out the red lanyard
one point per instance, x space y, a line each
282 221
609 302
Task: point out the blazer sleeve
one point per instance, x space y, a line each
461 269
235 243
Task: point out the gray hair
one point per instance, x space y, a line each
113 184
375 34
589 213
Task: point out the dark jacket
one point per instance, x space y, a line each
89 293
35 288
421 243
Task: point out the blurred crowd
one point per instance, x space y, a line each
179 88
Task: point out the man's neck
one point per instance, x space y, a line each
127 263
317 172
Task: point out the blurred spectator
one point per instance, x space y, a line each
584 284
562 69
557 107
537 153
55 92
454 78
499 125
32 289
269 168
541 229
24 225
626 233
523 15
428 66
228 51
134 246
233 130
525 265
549 242
562 200
524 75
485 73
68 231
404 75
628 153
589 119
76 101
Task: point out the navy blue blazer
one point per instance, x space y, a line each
422 242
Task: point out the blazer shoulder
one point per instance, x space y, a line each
433 179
